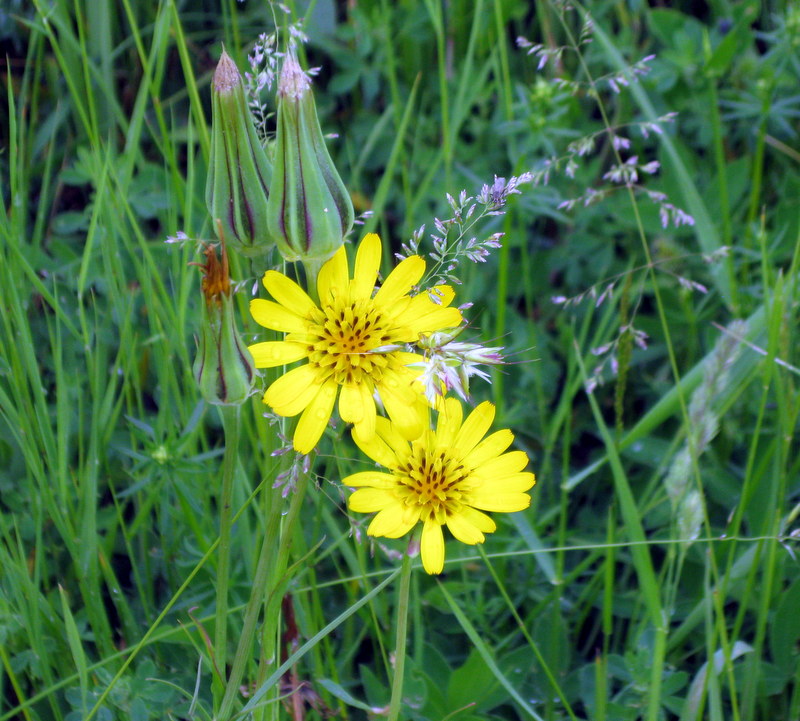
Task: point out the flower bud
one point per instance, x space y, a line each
223 368
239 173
310 210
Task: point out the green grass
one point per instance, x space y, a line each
592 604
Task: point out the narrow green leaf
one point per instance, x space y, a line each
486 654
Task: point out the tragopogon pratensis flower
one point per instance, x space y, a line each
353 341
447 476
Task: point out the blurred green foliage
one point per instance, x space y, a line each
108 460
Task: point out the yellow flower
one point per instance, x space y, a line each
353 340
444 477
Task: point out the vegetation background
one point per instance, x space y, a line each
593 604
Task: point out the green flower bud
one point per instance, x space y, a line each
310 210
239 172
223 368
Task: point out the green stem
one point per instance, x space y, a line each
312 268
266 562
230 425
400 641
274 595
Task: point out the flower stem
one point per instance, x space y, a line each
264 568
270 656
400 640
312 268
230 425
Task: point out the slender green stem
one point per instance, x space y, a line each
400 642
266 562
230 424
722 176
270 658
312 268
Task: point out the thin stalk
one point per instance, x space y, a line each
230 424
757 176
722 175
400 638
266 562
312 268
270 657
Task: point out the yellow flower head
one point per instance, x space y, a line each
446 476
352 340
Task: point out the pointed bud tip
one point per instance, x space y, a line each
216 280
294 82
226 76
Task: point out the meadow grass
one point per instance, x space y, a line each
651 378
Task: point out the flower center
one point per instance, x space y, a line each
345 335
432 477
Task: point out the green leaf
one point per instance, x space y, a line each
488 655
471 683
785 629
721 58
336 690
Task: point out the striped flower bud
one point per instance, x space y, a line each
239 172
223 368
310 210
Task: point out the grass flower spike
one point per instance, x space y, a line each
353 341
447 476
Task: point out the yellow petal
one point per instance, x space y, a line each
395 440
449 421
304 339
393 521
293 391
288 293
480 520
368 263
332 278
505 465
490 447
395 310
432 547
315 418
401 280
446 293
463 530
404 358
366 426
369 500
488 500
427 317
276 353
514 483
399 400
375 447
351 403
370 479
420 305
277 317
475 427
